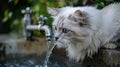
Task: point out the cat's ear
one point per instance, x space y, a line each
79 16
53 11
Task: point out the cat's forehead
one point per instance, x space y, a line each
64 15
66 11
59 21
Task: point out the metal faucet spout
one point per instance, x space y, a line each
47 30
39 28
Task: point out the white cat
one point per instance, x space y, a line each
83 30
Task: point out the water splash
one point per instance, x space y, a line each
50 47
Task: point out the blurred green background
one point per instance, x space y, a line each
11 16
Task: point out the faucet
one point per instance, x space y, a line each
28 27
27 21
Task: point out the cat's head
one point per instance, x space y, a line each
71 29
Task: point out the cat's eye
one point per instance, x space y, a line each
64 30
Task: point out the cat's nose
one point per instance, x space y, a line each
56 38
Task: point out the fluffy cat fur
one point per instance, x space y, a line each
83 30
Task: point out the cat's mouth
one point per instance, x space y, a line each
62 43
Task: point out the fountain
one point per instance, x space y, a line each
52 57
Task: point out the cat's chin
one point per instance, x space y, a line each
75 51
60 44
76 54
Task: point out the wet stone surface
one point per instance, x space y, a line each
105 58
58 60
32 61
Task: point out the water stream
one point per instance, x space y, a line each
50 47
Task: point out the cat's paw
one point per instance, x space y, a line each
110 46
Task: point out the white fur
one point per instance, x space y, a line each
103 27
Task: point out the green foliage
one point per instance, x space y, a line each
102 3
12 12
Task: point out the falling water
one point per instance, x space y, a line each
50 47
